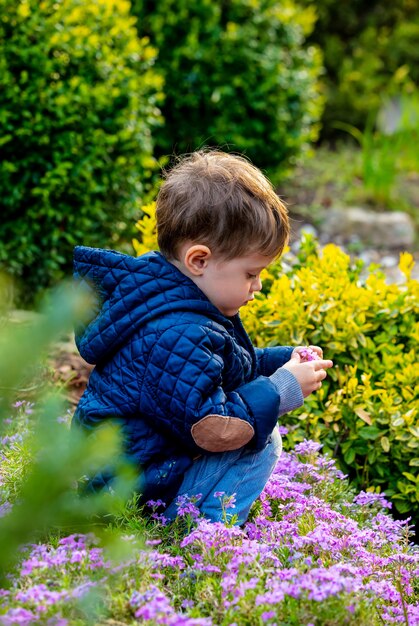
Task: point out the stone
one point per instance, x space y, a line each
388 261
308 229
298 233
385 230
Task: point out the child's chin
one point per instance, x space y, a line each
230 312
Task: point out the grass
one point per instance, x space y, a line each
349 174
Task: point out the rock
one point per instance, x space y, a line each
386 230
308 229
298 233
388 261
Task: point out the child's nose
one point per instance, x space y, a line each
257 284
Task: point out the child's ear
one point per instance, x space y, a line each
196 259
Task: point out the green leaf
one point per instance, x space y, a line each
410 477
330 328
349 456
369 432
402 506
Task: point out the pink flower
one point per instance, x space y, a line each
307 354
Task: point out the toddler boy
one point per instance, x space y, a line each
196 402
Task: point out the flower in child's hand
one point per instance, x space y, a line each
309 353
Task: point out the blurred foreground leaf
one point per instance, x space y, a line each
48 497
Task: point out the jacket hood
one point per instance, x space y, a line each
128 293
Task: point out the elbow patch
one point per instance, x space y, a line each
216 433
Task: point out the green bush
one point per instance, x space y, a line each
370 54
366 412
78 99
237 75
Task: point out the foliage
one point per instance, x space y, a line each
366 412
381 173
314 553
146 225
370 54
40 462
386 155
78 100
237 75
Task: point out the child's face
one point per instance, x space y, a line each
229 285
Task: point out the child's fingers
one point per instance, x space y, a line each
322 364
317 350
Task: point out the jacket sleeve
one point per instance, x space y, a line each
270 359
182 394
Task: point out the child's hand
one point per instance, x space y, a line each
309 373
308 353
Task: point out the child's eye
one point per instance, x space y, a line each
251 276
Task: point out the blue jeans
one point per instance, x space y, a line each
243 472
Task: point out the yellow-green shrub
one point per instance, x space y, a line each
365 414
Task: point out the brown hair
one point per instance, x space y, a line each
223 201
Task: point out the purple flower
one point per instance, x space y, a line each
18 404
186 506
230 501
155 504
5 508
18 616
267 615
160 518
307 447
365 498
9 440
154 605
309 543
57 620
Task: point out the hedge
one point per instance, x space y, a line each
237 74
78 100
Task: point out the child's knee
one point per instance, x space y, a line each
276 443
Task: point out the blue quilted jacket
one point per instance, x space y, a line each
178 377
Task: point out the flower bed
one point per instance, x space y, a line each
313 552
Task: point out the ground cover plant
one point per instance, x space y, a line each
313 552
